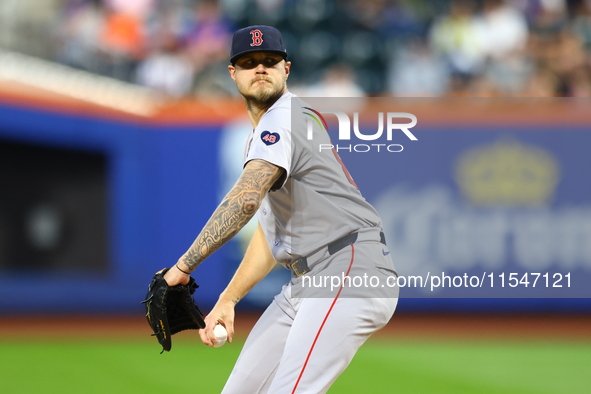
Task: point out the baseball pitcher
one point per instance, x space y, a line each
312 219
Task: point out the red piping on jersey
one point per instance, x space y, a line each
347 174
324 321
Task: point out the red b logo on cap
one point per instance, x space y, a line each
257 38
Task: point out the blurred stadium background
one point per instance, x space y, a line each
120 130
532 48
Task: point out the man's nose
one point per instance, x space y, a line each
260 69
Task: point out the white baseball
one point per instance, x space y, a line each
221 335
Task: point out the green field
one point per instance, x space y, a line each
381 366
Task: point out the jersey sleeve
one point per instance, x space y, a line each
272 142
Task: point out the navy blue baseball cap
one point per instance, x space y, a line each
255 39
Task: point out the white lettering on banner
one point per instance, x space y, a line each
431 230
345 126
364 137
363 148
404 127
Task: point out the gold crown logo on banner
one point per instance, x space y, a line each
507 173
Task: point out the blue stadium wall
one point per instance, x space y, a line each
161 185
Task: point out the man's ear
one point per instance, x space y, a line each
287 69
232 71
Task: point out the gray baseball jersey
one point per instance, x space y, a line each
318 201
302 343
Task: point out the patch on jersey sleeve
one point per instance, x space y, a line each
269 138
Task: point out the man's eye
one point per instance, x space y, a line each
246 63
270 62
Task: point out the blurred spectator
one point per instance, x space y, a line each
503 29
417 72
579 83
80 31
509 75
544 83
370 13
567 53
122 42
167 69
338 80
581 25
405 18
504 34
549 18
140 9
456 36
207 41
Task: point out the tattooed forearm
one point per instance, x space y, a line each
236 209
255 181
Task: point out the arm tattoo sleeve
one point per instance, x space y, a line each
235 210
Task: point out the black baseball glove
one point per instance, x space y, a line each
171 309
